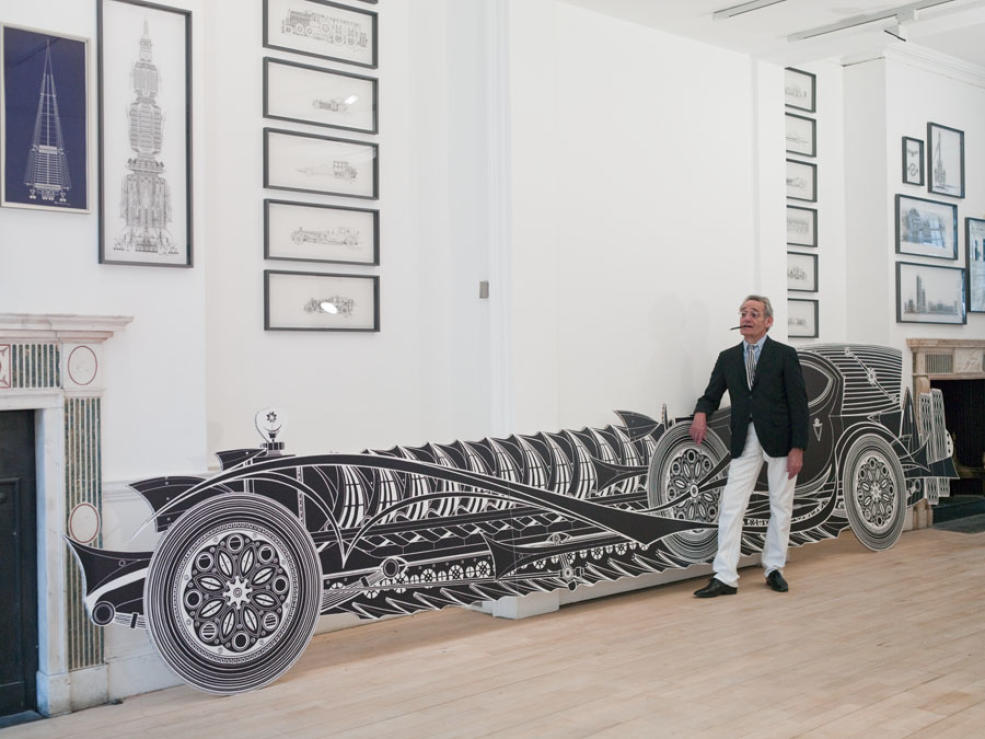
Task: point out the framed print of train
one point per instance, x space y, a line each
321 165
248 558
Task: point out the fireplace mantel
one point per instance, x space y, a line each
52 364
946 359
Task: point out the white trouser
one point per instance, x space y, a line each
742 474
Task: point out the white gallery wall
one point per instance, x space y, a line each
648 200
887 98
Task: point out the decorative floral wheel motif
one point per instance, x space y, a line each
233 593
678 466
874 489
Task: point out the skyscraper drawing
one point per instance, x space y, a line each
46 174
145 203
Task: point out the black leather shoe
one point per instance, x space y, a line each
775 580
713 588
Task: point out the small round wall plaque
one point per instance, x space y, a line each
83 523
82 365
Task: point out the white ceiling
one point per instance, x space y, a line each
954 27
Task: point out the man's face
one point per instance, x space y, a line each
753 322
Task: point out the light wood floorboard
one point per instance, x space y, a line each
876 645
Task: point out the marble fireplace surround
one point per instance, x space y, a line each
943 359
52 364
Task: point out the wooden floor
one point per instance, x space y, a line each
884 645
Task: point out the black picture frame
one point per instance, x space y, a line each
33 60
296 301
319 232
164 165
802 272
926 228
320 163
913 170
800 89
300 31
974 244
801 226
802 318
930 290
293 96
801 135
801 181
945 153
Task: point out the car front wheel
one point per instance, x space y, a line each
233 593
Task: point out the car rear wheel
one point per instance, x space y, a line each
233 593
874 489
677 466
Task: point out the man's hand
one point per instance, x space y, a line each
699 428
795 461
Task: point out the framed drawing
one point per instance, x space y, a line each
974 241
306 301
927 228
801 180
44 120
945 160
913 172
801 272
926 293
145 188
320 233
802 319
309 163
800 89
801 135
321 28
321 97
801 226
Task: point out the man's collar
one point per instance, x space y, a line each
759 344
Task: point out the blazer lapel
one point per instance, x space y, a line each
765 355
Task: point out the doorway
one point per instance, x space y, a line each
18 564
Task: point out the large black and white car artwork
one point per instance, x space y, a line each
248 558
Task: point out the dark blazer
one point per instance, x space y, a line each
776 405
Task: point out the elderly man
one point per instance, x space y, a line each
769 423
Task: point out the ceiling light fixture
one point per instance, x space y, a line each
743 8
900 13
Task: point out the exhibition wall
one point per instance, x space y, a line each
619 189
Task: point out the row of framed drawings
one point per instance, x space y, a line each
944 160
800 93
304 162
144 168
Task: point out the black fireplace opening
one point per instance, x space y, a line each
964 410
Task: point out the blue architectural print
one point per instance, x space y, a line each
45 126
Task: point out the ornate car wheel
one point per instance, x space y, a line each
874 489
233 593
677 465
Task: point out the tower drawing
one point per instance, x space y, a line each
940 173
921 296
145 202
46 175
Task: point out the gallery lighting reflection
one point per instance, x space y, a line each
327 306
351 99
